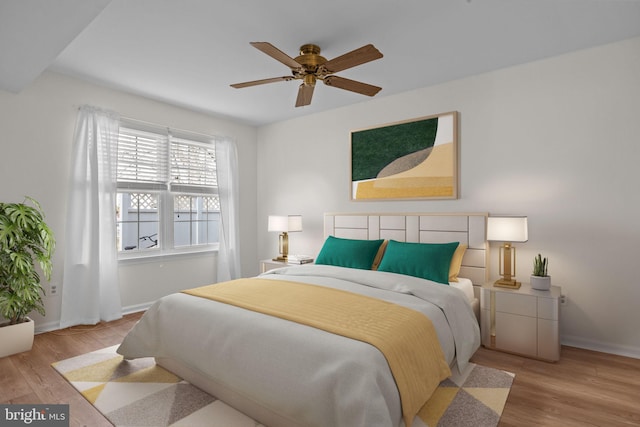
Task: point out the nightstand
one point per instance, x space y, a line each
269 264
522 321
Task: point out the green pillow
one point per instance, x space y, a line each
429 261
348 252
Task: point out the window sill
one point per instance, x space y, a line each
140 258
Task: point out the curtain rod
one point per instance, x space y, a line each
156 125
169 128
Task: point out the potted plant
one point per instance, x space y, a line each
26 241
540 279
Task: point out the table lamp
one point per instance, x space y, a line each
507 229
284 224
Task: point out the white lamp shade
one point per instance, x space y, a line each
295 222
278 223
285 223
507 229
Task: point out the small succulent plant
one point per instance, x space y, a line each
540 266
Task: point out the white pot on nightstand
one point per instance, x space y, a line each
541 283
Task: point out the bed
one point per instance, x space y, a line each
287 373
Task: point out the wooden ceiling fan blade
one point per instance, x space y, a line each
352 85
305 93
351 59
261 82
276 54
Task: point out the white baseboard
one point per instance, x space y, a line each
55 324
603 347
136 308
47 327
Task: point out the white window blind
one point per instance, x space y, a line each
167 190
142 160
192 167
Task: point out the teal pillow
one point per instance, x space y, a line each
348 252
429 261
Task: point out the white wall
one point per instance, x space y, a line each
557 140
36 137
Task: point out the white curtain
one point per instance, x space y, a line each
90 291
227 171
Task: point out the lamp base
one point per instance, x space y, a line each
511 284
280 258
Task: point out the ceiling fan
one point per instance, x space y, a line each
309 67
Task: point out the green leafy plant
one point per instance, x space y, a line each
540 266
25 241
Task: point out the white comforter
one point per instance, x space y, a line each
301 373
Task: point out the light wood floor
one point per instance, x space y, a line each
29 378
584 389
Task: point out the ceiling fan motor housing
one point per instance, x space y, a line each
310 58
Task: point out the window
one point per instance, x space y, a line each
167 199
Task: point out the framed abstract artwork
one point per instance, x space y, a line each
412 159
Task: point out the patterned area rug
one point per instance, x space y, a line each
140 393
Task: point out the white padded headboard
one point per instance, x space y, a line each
469 228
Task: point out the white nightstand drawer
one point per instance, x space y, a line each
548 308
524 305
518 334
548 339
267 265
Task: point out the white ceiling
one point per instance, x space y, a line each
188 52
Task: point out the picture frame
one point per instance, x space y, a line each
406 160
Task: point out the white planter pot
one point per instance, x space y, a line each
541 283
16 338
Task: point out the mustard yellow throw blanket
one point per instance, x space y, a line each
405 337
